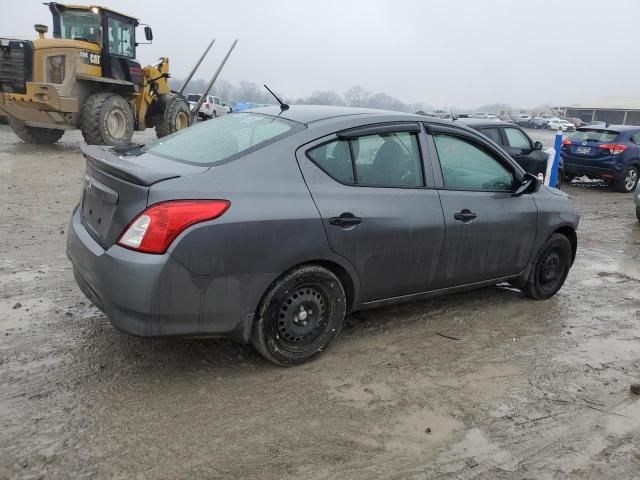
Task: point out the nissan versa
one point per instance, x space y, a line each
268 226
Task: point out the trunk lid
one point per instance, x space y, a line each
116 188
585 144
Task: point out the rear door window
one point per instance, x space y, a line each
594 135
493 134
467 166
388 160
381 160
335 159
517 139
222 139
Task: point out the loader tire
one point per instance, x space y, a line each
34 135
106 119
176 116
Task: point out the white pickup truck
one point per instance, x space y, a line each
212 106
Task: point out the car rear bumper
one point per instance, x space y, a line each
155 296
607 168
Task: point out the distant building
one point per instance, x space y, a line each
613 110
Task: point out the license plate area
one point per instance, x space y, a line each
98 206
583 150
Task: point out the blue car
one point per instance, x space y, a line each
608 152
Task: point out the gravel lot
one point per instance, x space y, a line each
530 390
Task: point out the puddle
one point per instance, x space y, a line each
476 448
621 347
22 276
613 426
410 434
362 394
14 318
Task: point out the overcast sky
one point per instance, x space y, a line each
456 53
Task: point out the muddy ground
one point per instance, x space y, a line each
530 390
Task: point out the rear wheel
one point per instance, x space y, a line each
628 180
177 116
106 119
34 135
550 269
299 316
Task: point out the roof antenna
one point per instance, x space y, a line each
283 106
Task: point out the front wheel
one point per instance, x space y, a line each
106 119
299 316
176 116
550 268
628 180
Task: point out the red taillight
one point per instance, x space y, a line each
614 148
154 229
566 142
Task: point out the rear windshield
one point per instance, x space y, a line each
222 139
594 135
193 98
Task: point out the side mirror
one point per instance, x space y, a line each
537 146
148 33
530 184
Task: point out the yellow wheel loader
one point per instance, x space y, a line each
86 77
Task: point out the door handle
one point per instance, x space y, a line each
345 220
517 156
465 215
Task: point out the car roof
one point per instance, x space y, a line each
314 113
614 128
484 122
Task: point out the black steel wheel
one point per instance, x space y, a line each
299 316
548 272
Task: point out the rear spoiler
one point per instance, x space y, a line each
102 159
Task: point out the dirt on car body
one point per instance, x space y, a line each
484 384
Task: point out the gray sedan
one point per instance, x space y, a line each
268 226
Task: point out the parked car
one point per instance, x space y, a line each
577 122
521 119
484 116
638 201
269 226
212 107
515 141
537 123
560 124
607 153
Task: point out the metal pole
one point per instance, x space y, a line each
190 76
215 77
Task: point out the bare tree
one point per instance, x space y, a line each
357 96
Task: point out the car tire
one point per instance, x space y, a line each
549 270
568 177
106 119
35 135
628 181
560 180
299 316
176 116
